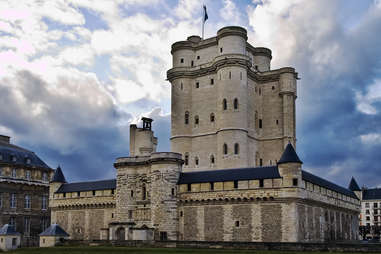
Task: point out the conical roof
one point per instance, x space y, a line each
54 230
8 230
58 176
289 155
353 186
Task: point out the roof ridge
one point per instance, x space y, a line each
93 181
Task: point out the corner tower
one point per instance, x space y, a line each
229 110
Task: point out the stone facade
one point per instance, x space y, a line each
232 175
24 191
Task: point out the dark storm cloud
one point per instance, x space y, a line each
74 124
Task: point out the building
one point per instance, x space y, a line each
24 191
52 236
233 173
9 238
370 216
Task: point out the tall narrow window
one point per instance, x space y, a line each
295 181
211 81
212 117
235 184
235 103
173 192
260 123
13 200
27 202
181 86
197 84
192 63
196 161
236 148
221 50
26 226
132 193
12 222
212 159
189 187
182 60
14 173
44 204
186 159
186 117
144 192
196 121
260 162
225 148
212 186
27 174
44 177
230 75
224 104
259 91
261 183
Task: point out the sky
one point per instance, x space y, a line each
75 74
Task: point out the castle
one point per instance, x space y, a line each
233 173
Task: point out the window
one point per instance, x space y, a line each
237 224
212 117
186 159
27 160
225 149
236 184
27 174
260 123
144 192
235 103
277 122
211 81
295 181
224 104
163 236
196 120
173 192
259 91
212 159
197 84
192 63
186 117
236 148
13 200
189 187
78 193
27 202
196 161
230 75
44 204
182 60
212 186
272 87
256 67
260 162
261 183
132 193
367 205
181 213
221 50
14 173
44 177
198 57
26 226
130 214
12 222
375 205
44 223
181 85
240 75
367 218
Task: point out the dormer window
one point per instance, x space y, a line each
44 177
27 174
14 173
27 161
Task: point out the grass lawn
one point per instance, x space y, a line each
120 250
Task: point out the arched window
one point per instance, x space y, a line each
224 104
186 117
225 148
196 121
212 117
186 159
196 161
236 148
235 103
212 161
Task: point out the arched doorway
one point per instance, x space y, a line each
120 234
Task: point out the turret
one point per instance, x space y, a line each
142 140
353 186
57 181
290 167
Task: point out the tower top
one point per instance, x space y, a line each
289 155
353 186
58 176
147 123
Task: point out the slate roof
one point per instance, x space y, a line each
87 186
229 175
353 186
369 194
58 176
8 151
306 176
54 230
289 155
8 230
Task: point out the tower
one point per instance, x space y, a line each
229 110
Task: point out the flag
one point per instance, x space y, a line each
205 14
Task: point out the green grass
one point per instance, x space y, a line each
127 250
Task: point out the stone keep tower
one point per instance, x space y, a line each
229 109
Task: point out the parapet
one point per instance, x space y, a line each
232 30
157 157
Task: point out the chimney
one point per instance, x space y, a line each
5 139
